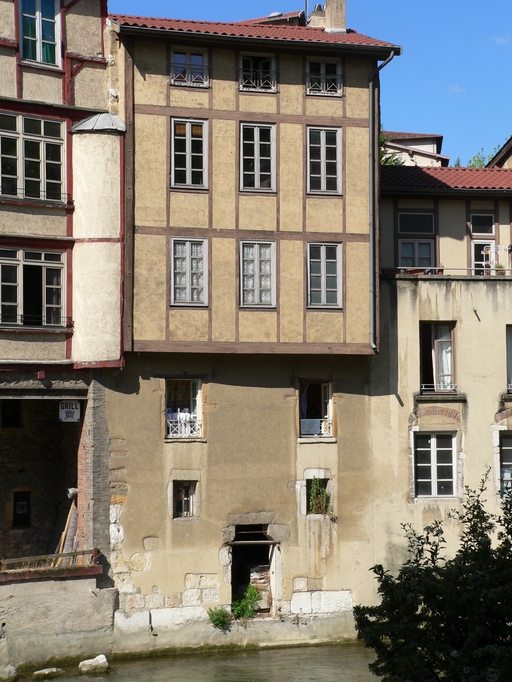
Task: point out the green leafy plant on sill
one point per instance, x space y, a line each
245 607
319 499
220 618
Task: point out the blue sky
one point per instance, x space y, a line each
454 77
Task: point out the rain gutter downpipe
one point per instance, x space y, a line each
373 202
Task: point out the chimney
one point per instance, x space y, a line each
335 16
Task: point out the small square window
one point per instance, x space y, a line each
324 78
21 509
189 272
482 223
324 160
258 72
189 67
183 408
258 274
184 499
315 409
416 253
324 276
11 414
434 464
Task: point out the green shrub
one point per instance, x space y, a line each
245 607
220 617
319 499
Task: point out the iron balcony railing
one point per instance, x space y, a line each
190 74
181 427
260 80
53 320
52 195
317 84
315 428
439 388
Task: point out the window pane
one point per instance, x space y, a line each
48 9
416 223
445 488
7 122
423 488
482 224
32 126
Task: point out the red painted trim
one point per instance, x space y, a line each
65 63
121 234
36 330
57 111
6 367
42 243
7 42
103 23
51 574
105 364
18 49
27 203
99 240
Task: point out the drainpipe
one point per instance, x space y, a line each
373 202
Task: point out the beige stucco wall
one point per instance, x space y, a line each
223 206
83 28
150 288
7 73
96 302
89 89
41 85
7 29
30 347
23 221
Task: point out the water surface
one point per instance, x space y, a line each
341 663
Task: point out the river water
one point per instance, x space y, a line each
342 663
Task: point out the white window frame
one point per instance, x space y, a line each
258 127
324 88
25 257
256 84
509 357
480 215
436 345
416 214
24 143
188 273
257 260
416 243
190 77
184 422
323 275
39 35
505 462
481 267
432 466
189 154
324 160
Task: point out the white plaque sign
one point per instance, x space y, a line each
69 411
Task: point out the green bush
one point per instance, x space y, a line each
447 619
220 617
319 499
245 607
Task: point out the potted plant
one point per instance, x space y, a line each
499 270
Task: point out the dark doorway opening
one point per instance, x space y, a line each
251 558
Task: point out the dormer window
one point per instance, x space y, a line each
258 73
324 78
189 68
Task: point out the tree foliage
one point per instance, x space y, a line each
447 619
388 158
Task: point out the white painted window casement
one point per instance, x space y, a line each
417 253
505 462
32 155
189 271
40 31
315 409
324 275
258 73
434 464
258 274
189 142
32 288
324 77
324 160
258 157
189 67
437 366
183 408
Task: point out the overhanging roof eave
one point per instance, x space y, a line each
377 51
445 191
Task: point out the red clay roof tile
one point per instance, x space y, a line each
252 30
407 178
